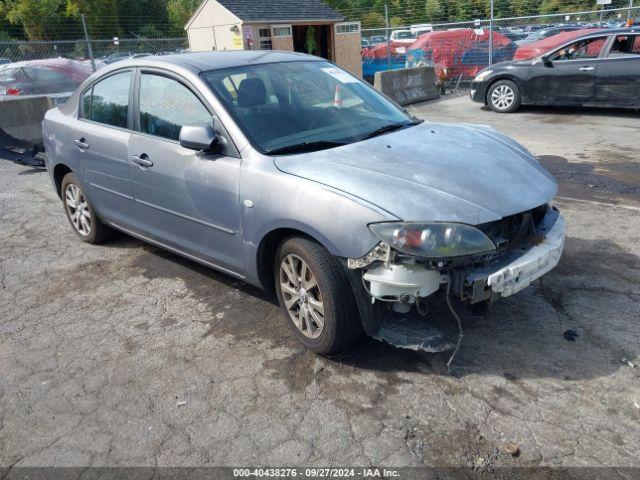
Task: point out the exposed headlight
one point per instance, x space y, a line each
433 240
482 75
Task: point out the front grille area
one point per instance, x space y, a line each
516 230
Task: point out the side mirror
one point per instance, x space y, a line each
198 137
547 62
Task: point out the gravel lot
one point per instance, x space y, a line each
124 354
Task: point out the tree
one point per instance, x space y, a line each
41 19
101 16
180 11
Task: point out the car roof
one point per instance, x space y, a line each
609 31
206 61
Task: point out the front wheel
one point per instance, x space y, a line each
315 294
504 96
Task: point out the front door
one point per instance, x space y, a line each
186 200
618 77
569 76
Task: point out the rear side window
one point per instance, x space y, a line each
108 101
166 105
625 45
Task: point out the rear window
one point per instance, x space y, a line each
626 45
108 101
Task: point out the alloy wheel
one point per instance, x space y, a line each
301 295
503 97
78 209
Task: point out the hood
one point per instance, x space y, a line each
433 172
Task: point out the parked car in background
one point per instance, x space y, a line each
600 69
403 36
545 33
38 77
364 43
291 174
535 49
376 39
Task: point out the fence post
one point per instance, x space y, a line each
629 12
491 34
386 21
89 48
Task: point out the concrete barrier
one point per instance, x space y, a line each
21 117
408 85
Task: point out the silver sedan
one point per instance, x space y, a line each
289 173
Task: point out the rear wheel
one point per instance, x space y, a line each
315 294
504 96
80 213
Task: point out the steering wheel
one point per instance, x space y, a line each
326 112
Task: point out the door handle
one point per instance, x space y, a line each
81 144
586 69
142 160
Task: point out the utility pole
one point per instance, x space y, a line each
89 48
629 13
491 35
386 21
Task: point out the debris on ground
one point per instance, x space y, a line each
512 449
637 405
570 335
21 151
628 362
181 404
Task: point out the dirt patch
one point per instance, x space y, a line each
604 181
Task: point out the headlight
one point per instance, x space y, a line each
482 75
433 240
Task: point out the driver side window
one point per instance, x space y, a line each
582 49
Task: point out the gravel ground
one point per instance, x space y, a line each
124 354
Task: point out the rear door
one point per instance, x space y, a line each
569 78
618 75
185 199
100 139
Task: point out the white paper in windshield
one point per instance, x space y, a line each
339 75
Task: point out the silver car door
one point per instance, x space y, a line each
100 139
187 200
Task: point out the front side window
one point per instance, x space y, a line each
280 105
625 45
108 101
166 105
582 49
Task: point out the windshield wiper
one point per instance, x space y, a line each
305 147
392 127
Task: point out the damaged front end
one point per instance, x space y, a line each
475 265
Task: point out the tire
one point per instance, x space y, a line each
504 96
341 326
90 229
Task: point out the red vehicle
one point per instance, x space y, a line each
40 77
462 52
535 49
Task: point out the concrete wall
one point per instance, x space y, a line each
22 117
410 85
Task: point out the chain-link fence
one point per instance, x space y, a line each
459 50
400 34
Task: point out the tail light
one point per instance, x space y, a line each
13 91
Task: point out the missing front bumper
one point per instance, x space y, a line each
519 269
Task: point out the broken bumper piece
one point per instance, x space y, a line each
532 265
518 270
412 334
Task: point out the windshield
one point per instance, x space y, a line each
279 105
405 35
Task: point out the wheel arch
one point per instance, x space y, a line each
271 240
59 172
